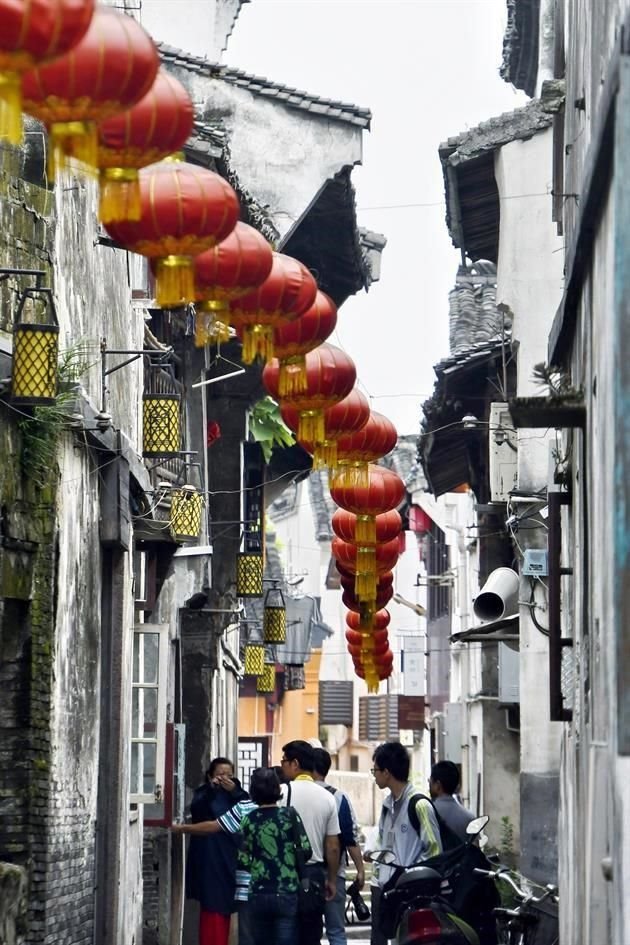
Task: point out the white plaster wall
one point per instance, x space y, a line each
271 144
200 27
530 281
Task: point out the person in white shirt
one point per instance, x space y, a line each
335 911
318 812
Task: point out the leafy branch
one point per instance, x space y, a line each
557 382
267 427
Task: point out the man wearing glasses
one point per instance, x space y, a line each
396 831
318 812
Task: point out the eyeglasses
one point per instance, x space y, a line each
285 761
374 770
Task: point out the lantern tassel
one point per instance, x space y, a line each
175 281
72 139
311 426
11 107
325 455
365 530
354 474
257 342
120 194
292 377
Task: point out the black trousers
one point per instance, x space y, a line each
311 927
376 936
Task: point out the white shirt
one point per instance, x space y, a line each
318 811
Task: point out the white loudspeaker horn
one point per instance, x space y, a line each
498 597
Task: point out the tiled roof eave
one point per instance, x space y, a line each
259 85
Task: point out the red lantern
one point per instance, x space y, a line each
287 292
293 341
237 265
350 555
330 376
185 209
367 562
367 609
112 67
350 413
376 637
154 128
34 33
384 491
380 620
375 440
388 525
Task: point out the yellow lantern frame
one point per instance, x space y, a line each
34 368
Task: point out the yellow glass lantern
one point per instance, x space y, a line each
186 509
274 617
34 373
161 425
249 574
35 346
267 681
254 659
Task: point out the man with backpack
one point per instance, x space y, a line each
408 824
335 912
443 783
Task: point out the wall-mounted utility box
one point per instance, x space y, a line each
535 563
502 453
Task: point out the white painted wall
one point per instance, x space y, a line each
530 281
199 27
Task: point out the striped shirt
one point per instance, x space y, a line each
231 823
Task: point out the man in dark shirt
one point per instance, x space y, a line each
443 783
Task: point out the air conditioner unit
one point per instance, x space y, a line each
502 449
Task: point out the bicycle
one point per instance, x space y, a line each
519 925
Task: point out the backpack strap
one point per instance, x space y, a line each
288 803
449 838
330 788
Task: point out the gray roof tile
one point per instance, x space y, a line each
259 85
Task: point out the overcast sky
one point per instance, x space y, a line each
427 69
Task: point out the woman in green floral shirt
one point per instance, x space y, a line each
268 854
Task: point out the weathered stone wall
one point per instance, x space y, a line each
13 888
50 573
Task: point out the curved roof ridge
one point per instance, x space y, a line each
260 85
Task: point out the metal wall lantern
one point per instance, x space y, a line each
266 682
35 346
254 659
161 425
186 509
249 574
274 617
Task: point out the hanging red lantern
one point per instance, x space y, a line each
380 620
293 341
233 268
349 555
364 608
330 376
287 292
158 125
349 414
375 440
384 659
388 525
112 67
34 33
184 210
367 562
384 491
357 638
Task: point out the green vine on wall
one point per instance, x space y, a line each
41 431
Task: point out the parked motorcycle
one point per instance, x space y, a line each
440 901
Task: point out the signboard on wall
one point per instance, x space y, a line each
411 712
414 681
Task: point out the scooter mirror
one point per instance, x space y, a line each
476 826
383 856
